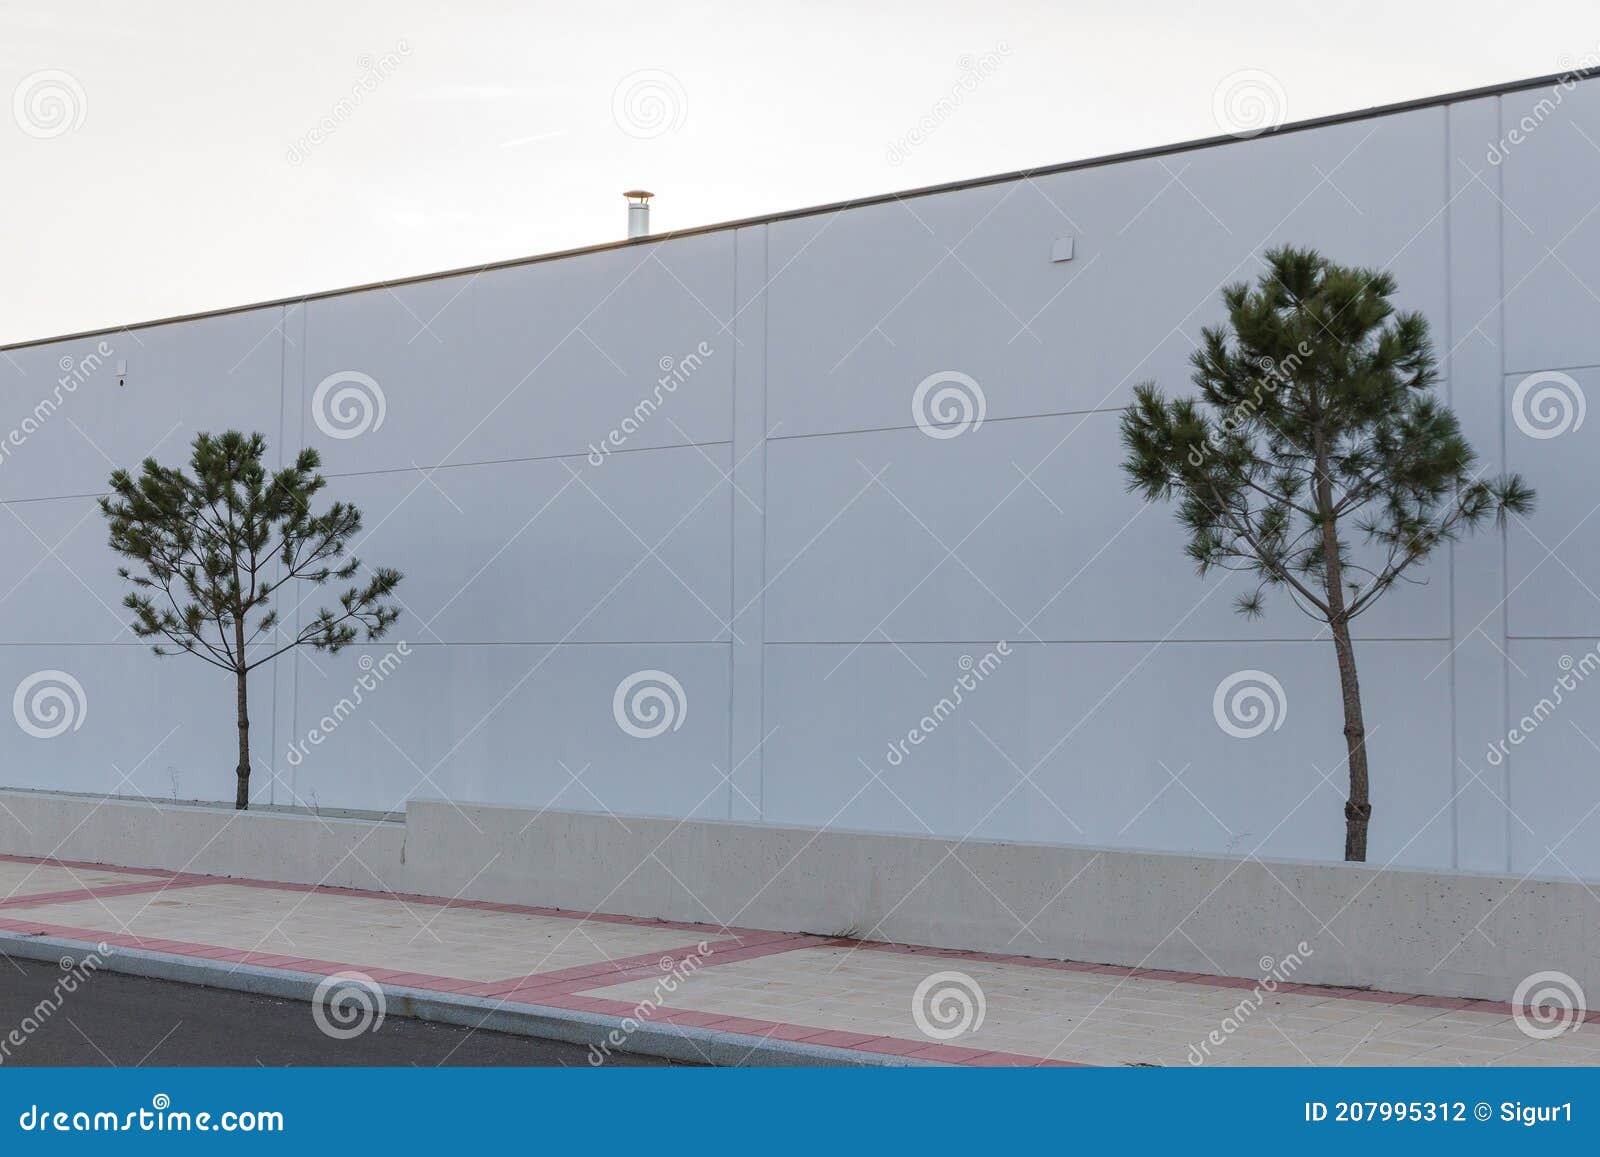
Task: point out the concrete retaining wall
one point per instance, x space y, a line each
296 849
1451 934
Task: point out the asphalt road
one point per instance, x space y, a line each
129 1021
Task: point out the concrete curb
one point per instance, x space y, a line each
672 1042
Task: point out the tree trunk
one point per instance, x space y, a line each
1357 806
241 799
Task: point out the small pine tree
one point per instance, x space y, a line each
216 547
1316 418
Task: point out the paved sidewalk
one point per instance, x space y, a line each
969 1008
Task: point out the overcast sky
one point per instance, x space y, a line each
189 155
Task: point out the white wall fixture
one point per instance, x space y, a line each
638 213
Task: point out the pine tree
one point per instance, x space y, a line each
216 547
1317 458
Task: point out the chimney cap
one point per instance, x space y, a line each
639 194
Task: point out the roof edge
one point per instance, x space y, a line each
1568 77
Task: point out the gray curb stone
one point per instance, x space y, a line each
673 1042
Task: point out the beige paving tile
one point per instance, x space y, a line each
17 880
1084 1017
1474 1020
468 943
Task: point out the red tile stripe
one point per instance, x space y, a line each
648 966
72 895
84 865
808 1034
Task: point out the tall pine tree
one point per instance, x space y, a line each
215 547
1317 458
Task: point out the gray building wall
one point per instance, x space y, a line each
815 570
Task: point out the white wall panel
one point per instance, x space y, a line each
60 583
525 725
418 344
1047 545
873 300
530 361
1109 744
573 346
1552 806
488 551
1551 228
1554 555
143 726
204 375
1473 363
